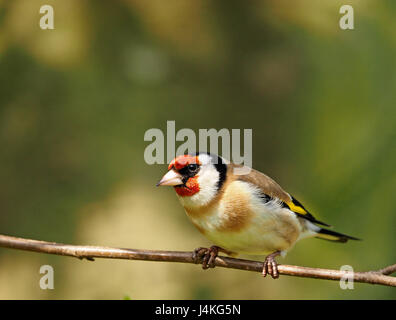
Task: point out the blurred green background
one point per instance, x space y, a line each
76 101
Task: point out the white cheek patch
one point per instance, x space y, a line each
208 177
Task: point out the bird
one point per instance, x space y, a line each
241 213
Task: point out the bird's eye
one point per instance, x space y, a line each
192 167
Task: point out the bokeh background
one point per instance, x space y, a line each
76 101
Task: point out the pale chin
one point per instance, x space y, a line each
207 181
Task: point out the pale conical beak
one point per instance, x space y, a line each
172 178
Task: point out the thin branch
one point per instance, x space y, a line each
90 252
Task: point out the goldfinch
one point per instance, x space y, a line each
247 213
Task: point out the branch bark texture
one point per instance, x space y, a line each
381 277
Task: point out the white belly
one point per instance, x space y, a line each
270 228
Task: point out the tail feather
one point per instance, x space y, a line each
330 235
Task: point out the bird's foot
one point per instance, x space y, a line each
270 266
207 256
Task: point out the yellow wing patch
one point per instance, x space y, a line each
296 208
